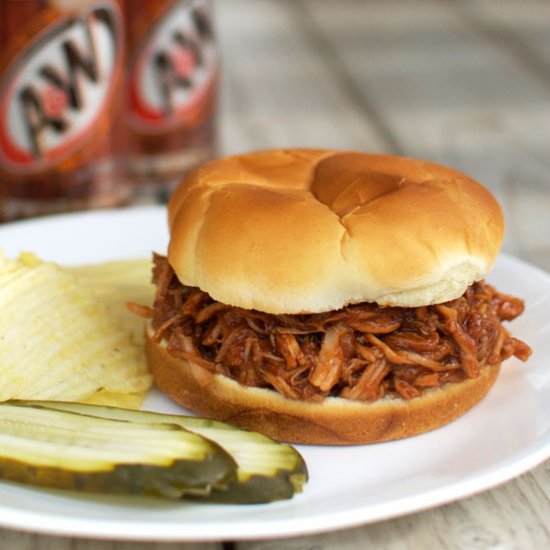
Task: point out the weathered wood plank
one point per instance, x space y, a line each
432 76
278 89
521 28
17 540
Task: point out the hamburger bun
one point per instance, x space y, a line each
303 230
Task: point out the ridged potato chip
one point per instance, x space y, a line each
60 341
118 282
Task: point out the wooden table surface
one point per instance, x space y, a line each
465 83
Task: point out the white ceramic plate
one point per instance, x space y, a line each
504 436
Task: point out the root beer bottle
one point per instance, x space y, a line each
171 81
60 86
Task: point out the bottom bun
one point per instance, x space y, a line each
335 421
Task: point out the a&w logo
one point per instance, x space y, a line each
173 69
55 91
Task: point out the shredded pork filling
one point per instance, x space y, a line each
361 352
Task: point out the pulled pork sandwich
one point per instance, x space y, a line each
330 297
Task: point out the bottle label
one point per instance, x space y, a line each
56 90
173 69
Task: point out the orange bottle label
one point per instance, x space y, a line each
56 89
172 69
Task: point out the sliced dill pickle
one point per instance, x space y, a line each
67 450
266 470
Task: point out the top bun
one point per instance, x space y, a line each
309 230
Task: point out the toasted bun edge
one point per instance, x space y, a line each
335 421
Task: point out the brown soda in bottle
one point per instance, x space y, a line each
60 87
171 81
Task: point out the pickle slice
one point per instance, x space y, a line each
266 470
66 450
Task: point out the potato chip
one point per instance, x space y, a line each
124 400
59 341
132 276
118 282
